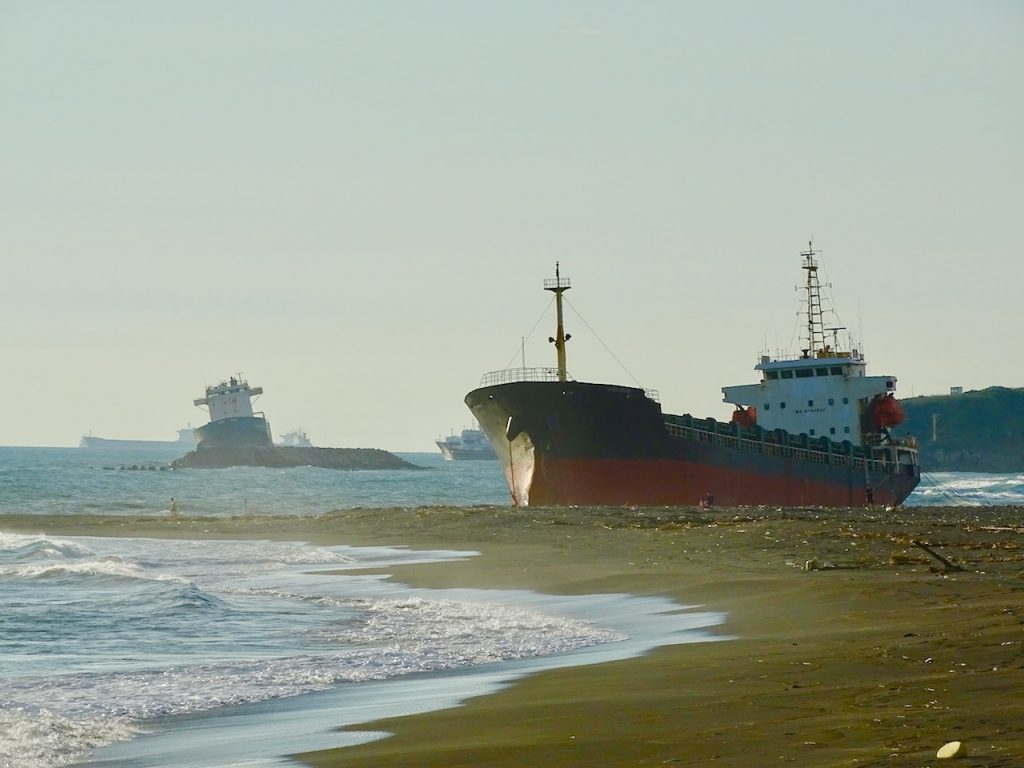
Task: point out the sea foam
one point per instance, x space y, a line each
121 632
42 739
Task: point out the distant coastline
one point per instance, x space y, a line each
975 431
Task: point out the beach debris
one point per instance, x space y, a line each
814 564
905 558
946 564
952 749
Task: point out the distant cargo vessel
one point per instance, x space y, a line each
470 444
815 431
186 439
233 424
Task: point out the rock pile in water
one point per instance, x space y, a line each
290 456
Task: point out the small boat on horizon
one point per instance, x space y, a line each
468 445
297 438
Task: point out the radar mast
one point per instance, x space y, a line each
815 323
558 286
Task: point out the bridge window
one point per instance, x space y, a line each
831 430
767 406
782 405
804 373
812 433
810 403
787 374
821 371
846 430
831 401
771 374
837 370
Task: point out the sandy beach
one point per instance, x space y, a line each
850 645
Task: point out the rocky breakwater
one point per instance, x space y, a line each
290 456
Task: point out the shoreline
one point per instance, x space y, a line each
878 658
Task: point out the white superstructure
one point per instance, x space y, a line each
229 399
823 392
470 444
297 438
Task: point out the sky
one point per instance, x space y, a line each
355 204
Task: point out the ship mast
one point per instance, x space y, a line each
558 287
815 324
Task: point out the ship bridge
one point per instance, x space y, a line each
229 399
823 392
819 397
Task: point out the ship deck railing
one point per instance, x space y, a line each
780 443
514 375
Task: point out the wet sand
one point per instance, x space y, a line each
877 657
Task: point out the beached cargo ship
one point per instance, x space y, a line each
816 430
233 423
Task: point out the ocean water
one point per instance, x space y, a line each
144 652
954 489
101 481
93 481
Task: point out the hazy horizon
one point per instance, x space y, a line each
355 205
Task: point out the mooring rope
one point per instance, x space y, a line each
949 493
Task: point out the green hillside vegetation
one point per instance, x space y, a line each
977 431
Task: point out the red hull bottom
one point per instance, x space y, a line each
671 482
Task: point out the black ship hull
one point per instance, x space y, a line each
234 432
567 443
